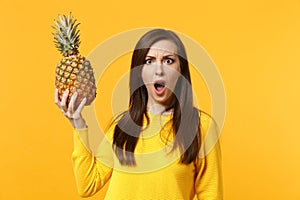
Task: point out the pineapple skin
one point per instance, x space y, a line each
75 73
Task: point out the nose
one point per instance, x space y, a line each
159 69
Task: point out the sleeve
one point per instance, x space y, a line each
209 180
91 174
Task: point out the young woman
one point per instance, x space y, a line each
155 149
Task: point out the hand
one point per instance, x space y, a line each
74 117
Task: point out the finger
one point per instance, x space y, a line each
63 112
80 107
72 102
56 101
69 115
64 98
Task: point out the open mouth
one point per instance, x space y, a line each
159 85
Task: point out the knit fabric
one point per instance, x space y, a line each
158 174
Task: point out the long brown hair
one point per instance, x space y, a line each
185 119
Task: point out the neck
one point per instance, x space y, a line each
159 109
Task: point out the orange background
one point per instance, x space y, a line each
255 44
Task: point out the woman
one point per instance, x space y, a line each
155 149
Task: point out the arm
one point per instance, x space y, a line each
91 174
209 182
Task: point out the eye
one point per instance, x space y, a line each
169 60
148 61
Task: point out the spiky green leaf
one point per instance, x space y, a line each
66 34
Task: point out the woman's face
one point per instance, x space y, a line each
160 73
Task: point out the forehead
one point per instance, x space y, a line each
163 46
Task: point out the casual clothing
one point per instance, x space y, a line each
158 173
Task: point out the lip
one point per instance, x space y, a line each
161 92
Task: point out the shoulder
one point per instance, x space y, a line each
114 121
207 123
110 129
209 133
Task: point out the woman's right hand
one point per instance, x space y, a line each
74 117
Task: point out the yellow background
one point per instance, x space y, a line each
255 44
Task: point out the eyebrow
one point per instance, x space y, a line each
165 56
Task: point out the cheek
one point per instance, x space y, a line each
178 68
174 80
146 80
146 75
173 73
143 74
177 73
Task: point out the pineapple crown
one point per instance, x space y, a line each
66 35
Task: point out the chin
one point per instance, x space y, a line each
163 100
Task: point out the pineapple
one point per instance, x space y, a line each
73 72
